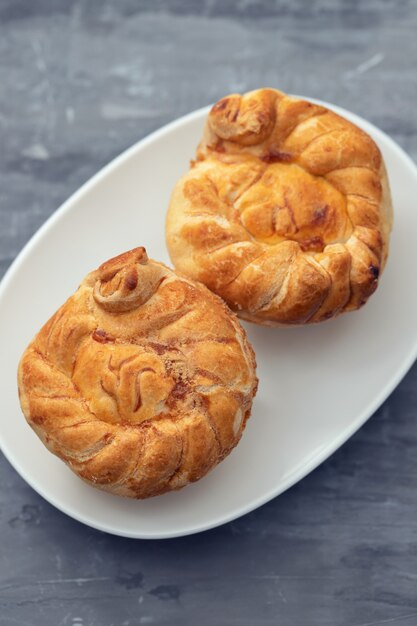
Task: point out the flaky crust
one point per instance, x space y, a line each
142 381
286 212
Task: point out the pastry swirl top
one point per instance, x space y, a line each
142 381
285 213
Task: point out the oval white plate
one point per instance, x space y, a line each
318 384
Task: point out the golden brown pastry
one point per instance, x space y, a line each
285 213
142 381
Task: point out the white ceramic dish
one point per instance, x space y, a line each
318 384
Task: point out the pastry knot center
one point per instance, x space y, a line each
126 282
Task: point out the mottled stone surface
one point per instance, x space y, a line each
81 81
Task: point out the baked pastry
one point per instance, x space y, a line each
286 212
142 381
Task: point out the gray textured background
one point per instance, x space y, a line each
81 81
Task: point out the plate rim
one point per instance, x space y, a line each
300 471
